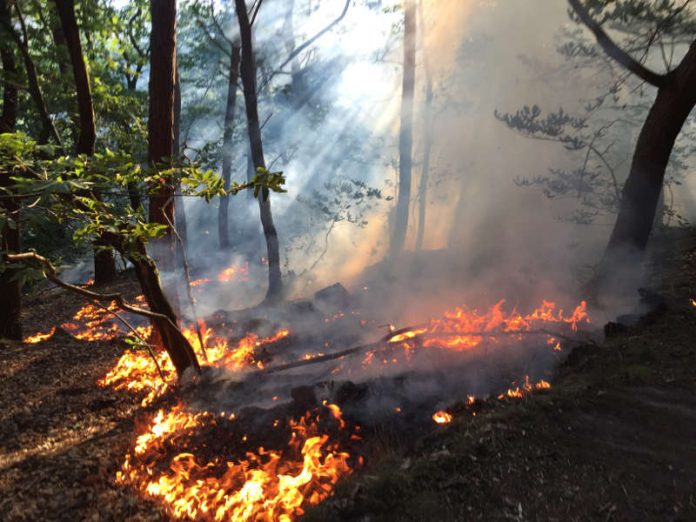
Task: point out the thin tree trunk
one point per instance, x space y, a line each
104 263
48 129
248 75
406 131
223 211
179 210
674 102
10 289
427 136
87 136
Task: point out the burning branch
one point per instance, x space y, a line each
407 334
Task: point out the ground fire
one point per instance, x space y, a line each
171 461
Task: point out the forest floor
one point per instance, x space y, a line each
612 440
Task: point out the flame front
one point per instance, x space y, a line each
454 324
266 485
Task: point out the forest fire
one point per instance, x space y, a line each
519 392
170 461
265 485
137 371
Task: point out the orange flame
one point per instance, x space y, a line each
39 337
266 485
233 272
442 417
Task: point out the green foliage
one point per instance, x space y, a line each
90 191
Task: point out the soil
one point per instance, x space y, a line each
613 439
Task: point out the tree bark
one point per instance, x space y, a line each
406 131
160 125
10 289
223 211
248 75
674 102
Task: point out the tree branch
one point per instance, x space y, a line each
613 50
50 272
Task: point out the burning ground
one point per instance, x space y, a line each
96 435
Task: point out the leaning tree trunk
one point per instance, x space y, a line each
248 75
177 346
400 225
166 330
104 263
10 288
223 211
674 102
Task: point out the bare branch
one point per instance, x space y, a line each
613 50
50 272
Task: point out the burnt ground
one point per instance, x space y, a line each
612 440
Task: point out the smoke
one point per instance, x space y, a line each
332 119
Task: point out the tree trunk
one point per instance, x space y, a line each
48 129
88 135
248 75
160 124
406 131
674 101
179 209
10 239
104 263
177 346
8 119
427 137
223 211
10 289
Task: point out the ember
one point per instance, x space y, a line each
442 417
